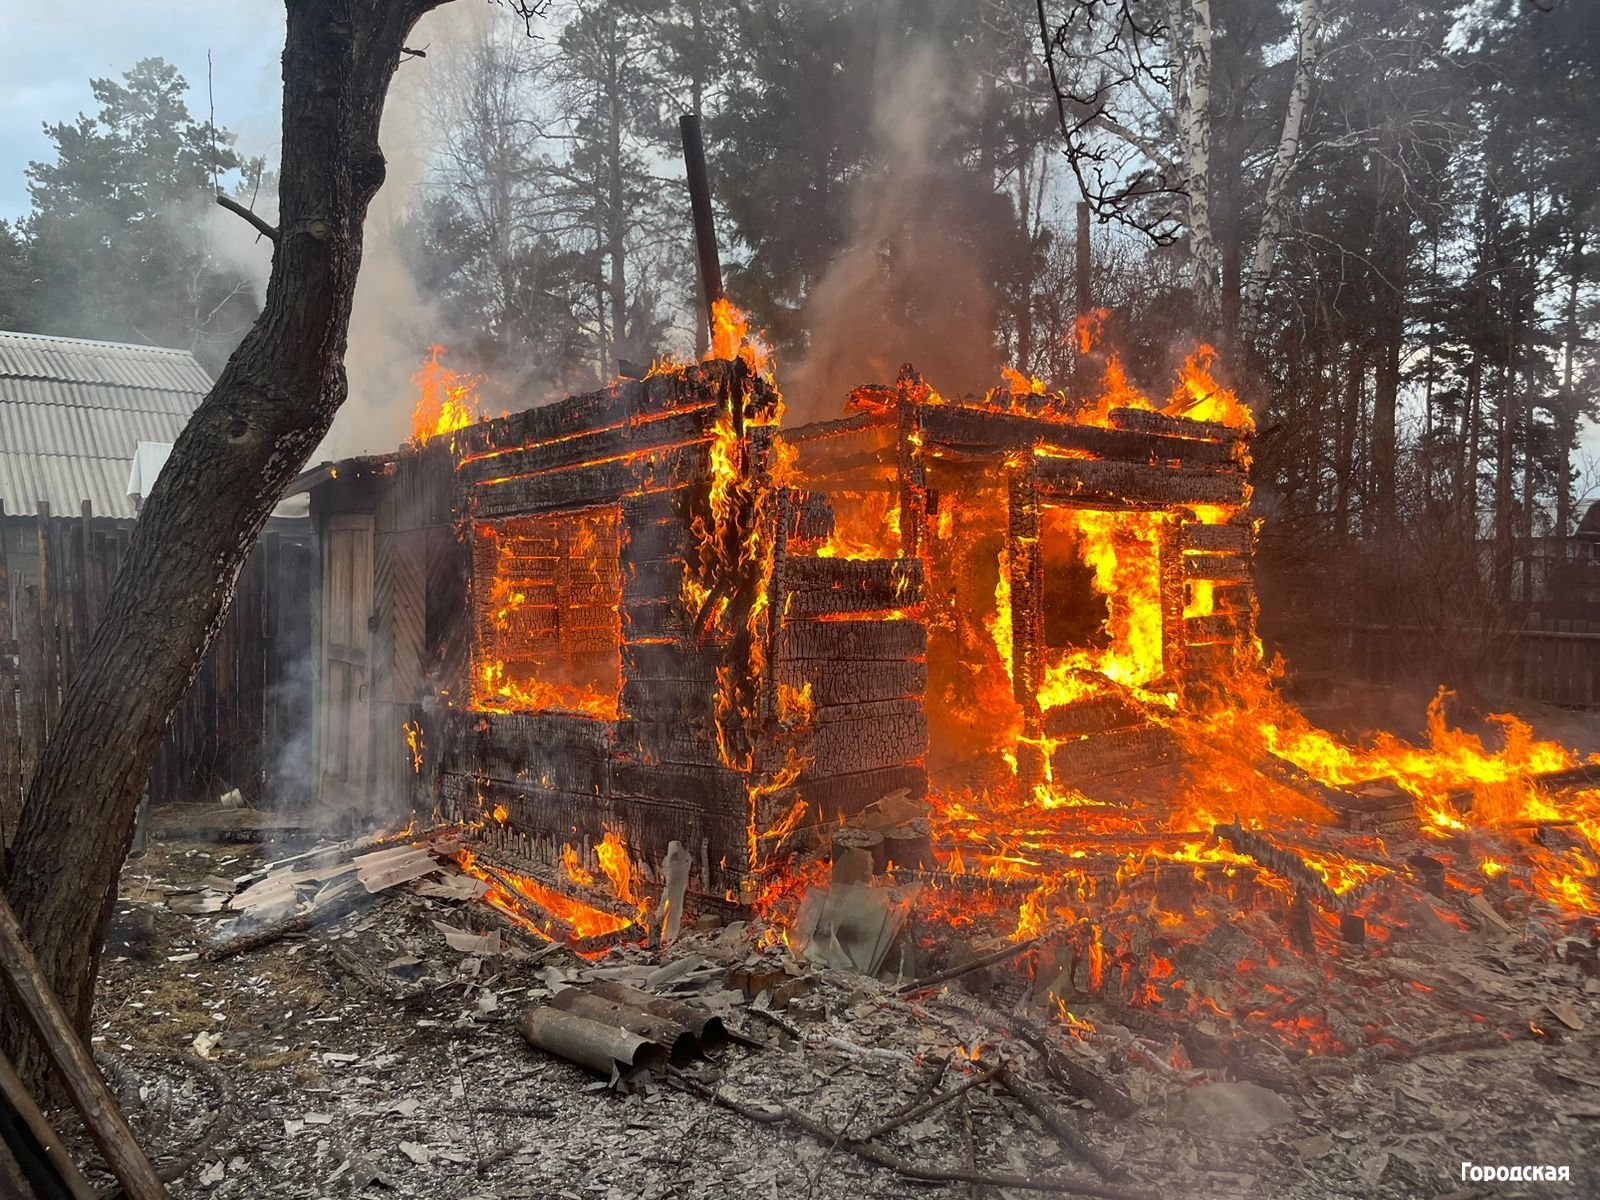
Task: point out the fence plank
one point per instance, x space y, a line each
242 700
10 728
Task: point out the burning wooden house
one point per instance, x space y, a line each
652 614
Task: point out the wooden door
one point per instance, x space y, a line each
346 707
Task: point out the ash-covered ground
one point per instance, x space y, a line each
366 1058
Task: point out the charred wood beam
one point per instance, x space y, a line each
1226 567
1092 717
913 479
1579 778
1220 627
1283 861
846 681
837 796
662 661
1220 539
602 445
649 739
1282 771
645 620
1096 757
586 484
1024 564
692 386
864 737
816 586
1174 595
866 640
808 516
809 437
670 699
1137 483
572 752
998 433
703 806
1145 421
652 581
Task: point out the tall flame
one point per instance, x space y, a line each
446 400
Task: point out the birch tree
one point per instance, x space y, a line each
1307 22
1133 89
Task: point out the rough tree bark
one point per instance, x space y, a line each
271 406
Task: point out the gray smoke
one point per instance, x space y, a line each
393 323
908 286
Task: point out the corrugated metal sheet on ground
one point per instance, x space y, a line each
72 411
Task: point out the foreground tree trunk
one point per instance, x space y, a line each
270 408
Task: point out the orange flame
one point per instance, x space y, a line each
446 400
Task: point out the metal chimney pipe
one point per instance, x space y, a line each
705 228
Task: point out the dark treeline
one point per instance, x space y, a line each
1382 213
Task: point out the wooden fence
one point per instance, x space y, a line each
1553 662
250 700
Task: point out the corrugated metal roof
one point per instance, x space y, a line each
72 411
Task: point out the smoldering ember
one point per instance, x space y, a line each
855 599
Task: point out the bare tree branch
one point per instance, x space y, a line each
270 232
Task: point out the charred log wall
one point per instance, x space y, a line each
1192 473
641 450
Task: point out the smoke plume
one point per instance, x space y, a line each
910 285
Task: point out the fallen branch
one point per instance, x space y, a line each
1368 1059
373 979
270 232
917 1112
1108 1095
784 1115
34 1145
268 934
1060 1128
777 1022
1004 954
264 936
969 1147
74 1065
489 1161
932 1077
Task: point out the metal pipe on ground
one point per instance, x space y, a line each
606 1049
680 1042
706 1026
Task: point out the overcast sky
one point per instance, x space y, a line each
49 51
